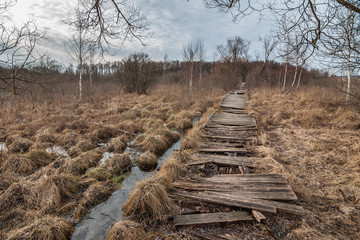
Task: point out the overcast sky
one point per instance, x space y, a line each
173 24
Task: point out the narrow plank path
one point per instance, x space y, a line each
228 139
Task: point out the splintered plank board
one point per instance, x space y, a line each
230 128
230 199
228 138
212 144
212 218
223 150
234 101
222 160
252 191
221 132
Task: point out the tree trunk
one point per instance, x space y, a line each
299 78
80 83
348 88
90 76
191 79
200 75
285 74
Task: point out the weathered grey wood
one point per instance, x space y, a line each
257 215
234 187
212 218
286 207
222 150
255 204
228 161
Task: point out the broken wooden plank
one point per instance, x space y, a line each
248 187
255 204
286 207
224 162
222 150
212 218
257 215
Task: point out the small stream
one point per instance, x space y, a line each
98 222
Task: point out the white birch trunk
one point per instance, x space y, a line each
191 79
80 83
285 74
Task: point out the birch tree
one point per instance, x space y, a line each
79 47
201 58
190 51
17 50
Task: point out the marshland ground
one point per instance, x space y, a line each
310 135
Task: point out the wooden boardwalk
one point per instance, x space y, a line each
227 141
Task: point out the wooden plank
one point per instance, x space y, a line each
255 204
212 218
224 162
222 150
248 187
257 215
286 207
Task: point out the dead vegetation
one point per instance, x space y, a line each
48 227
126 230
148 201
39 190
147 161
313 139
118 164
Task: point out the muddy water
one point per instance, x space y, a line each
3 147
97 224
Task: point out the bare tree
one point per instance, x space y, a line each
139 73
344 45
310 19
17 50
233 54
269 43
113 21
165 63
189 53
80 47
201 57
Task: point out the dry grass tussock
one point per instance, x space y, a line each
193 136
48 227
314 141
118 164
157 141
34 183
126 230
148 201
147 161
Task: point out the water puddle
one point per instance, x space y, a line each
3 147
106 156
57 150
98 222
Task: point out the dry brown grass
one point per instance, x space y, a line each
31 181
313 139
119 163
126 230
118 144
158 141
20 145
94 195
148 201
55 190
20 194
85 145
85 161
147 161
46 135
48 227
